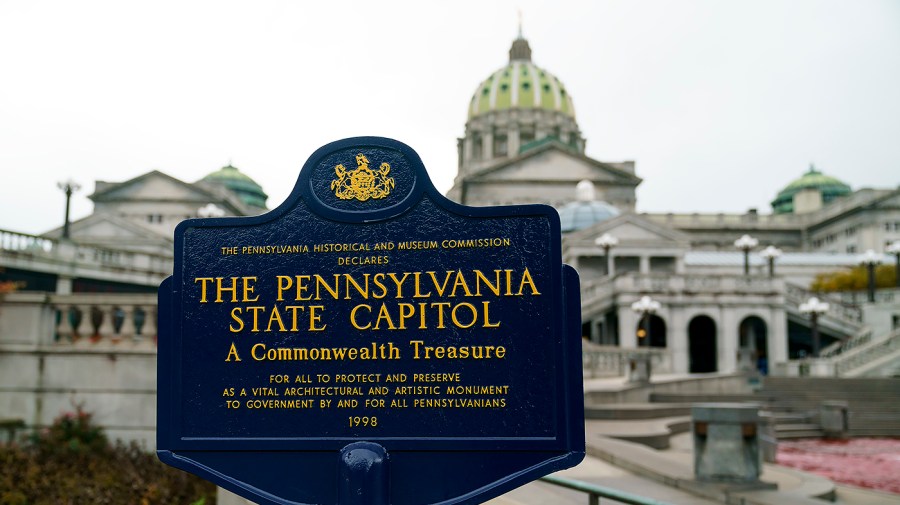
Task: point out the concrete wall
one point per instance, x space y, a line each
707 384
112 377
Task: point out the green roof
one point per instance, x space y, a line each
830 187
241 184
549 139
521 85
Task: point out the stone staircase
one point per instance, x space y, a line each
874 358
873 406
863 355
793 404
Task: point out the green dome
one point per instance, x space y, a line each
246 188
521 85
830 188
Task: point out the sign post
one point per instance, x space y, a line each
370 341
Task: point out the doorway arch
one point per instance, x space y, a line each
703 354
651 331
753 340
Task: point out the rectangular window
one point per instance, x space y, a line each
526 136
476 148
500 147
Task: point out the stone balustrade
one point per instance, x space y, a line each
596 289
612 361
16 248
15 241
634 282
88 318
697 220
847 362
838 307
842 346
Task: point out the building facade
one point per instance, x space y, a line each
81 328
522 144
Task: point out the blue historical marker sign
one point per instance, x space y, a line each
370 341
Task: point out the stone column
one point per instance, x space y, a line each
644 264
677 339
512 142
627 328
727 340
487 146
777 337
466 153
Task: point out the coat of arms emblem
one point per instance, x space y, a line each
362 183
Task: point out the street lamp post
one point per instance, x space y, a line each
814 308
607 242
770 254
894 248
870 259
746 243
645 306
639 363
69 186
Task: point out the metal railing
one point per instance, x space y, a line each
596 492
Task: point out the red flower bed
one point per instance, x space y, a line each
872 463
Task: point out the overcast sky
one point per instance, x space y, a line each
720 104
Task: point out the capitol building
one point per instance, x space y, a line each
686 293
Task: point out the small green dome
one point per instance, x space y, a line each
246 188
830 188
521 85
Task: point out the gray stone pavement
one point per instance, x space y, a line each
793 485
600 473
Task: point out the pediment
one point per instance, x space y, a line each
555 165
103 227
152 186
632 229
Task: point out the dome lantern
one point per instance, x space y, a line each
520 50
